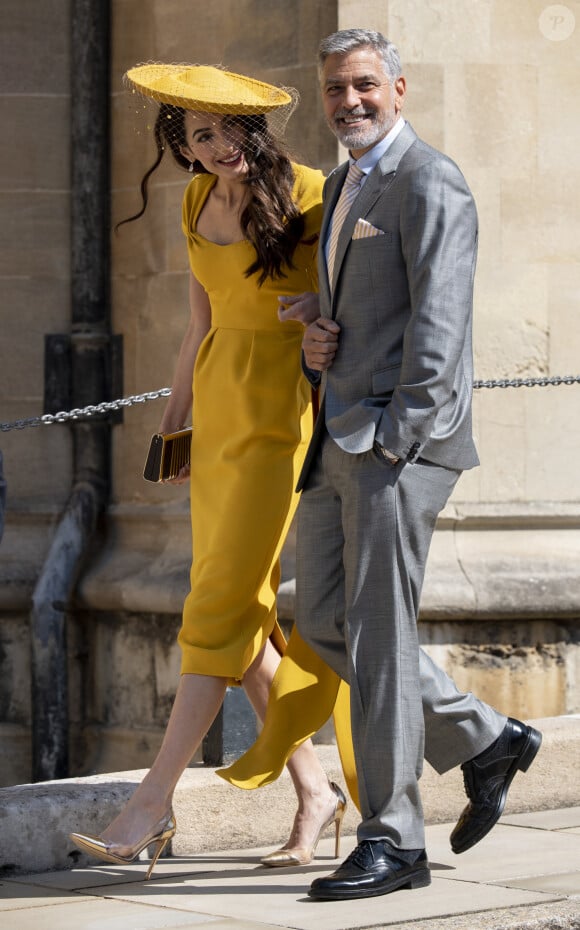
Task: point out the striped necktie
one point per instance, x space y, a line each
350 189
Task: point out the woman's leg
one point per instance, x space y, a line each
197 701
316 799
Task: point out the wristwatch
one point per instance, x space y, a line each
391 458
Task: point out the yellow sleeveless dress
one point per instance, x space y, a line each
252 421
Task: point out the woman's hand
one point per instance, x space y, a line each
301 307
181 478
169 424
320 343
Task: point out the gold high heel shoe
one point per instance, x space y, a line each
286 857
159 837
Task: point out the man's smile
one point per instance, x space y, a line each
353 119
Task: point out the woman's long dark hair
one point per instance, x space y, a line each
270 221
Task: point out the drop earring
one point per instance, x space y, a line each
190 169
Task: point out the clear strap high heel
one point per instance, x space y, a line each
159 837
299 856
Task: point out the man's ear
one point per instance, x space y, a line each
400 86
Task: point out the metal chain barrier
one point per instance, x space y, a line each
527 382
82 413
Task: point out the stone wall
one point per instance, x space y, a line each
34 300
495 86
34 263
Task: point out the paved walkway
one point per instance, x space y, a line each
525 874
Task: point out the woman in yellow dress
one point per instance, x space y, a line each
251 219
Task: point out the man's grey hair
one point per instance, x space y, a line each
348 40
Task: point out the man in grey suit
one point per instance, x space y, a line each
392 350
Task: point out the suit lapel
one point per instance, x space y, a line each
378 181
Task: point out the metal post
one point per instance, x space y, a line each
90 376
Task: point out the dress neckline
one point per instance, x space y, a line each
219 245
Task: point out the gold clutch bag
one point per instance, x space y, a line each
168 453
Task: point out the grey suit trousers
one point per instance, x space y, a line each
364 531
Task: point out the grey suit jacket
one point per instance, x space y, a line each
403 373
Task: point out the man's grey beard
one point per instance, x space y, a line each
362 138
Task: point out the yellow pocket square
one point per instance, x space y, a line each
364 230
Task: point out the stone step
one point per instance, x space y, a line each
212 815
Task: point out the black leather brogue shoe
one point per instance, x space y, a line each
487 779
372 868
